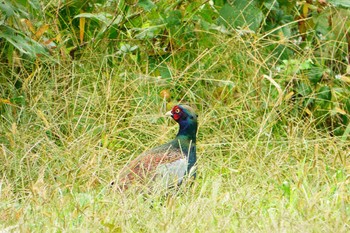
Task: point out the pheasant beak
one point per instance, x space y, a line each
170 114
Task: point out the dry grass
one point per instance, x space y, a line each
259 169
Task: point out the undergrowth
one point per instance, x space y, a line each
265 164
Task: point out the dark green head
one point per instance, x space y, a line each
187 119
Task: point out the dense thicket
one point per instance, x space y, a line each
302 46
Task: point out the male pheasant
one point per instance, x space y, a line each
167 164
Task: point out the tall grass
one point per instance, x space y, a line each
260 169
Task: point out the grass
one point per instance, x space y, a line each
260 169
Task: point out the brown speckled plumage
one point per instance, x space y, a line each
172 160
143 168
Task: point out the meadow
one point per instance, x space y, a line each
272 147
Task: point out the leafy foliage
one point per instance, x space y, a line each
307 43
13 18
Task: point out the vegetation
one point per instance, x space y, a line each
84 85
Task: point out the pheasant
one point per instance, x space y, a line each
168 164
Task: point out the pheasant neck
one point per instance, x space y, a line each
187 131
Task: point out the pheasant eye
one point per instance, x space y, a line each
177 110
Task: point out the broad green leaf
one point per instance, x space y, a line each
35 4
174 18
126 48
7 8
147 5
21 42
322 23
291 66
242 13
148 31
324 93
164 71
315 74
206 14
306 64
100 17
324 96
304 89
19 100
340 3
271 5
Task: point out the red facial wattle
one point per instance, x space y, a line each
176 116
176 113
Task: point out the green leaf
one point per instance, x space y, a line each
347 105
315 74
7 8
205 14
306 65
164 71
340 3
271 5
286 189
174 18
241 13
22 42
322 23
147 5
148 31
103 17
35 4
19 100
324 93
304 89
126 48
324 96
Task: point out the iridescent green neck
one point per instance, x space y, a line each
187 131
